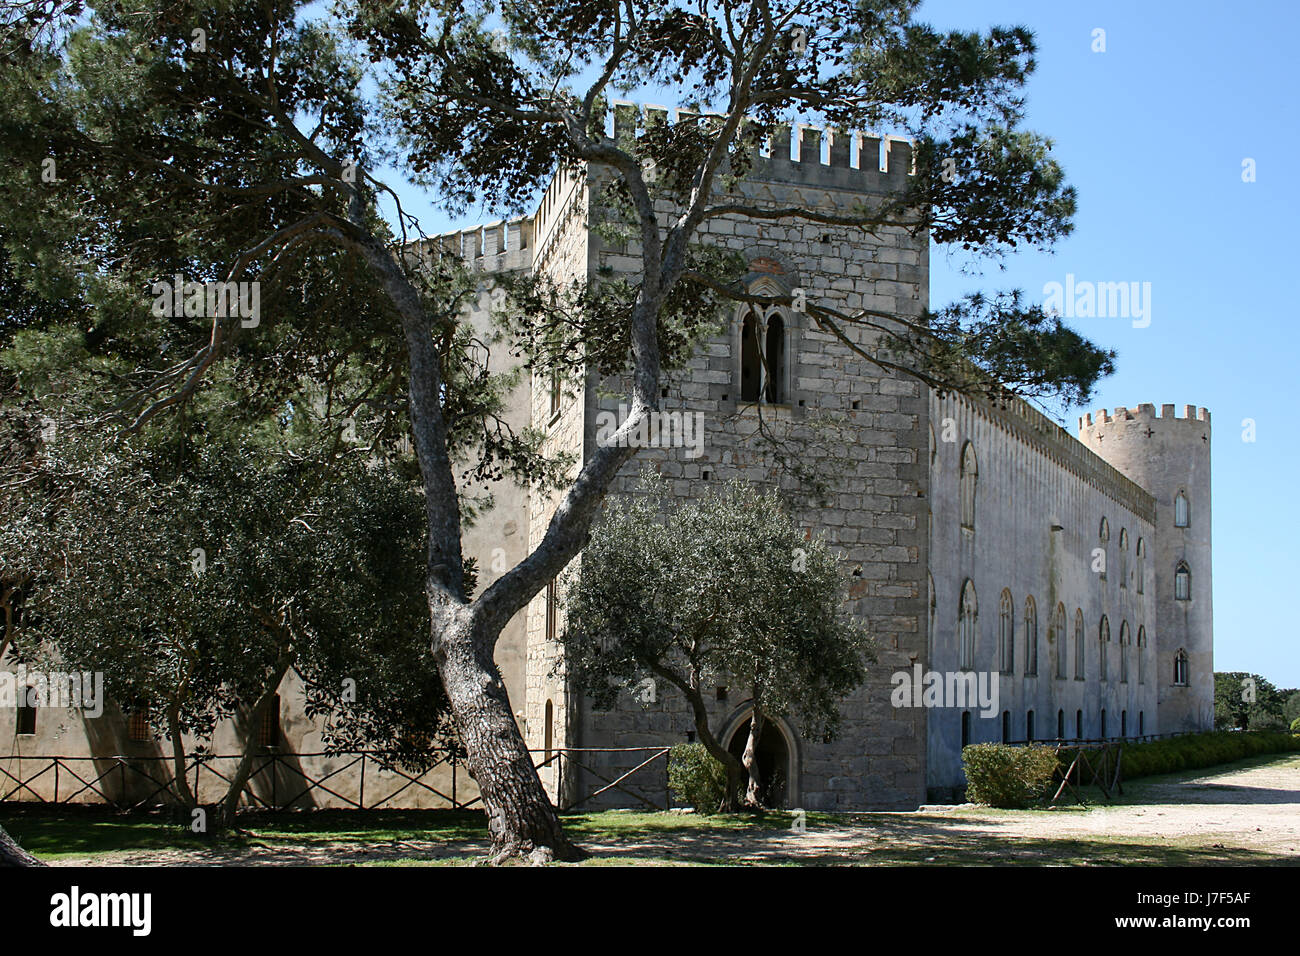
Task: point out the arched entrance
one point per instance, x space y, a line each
774 761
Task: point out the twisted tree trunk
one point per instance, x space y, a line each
754 790
11 854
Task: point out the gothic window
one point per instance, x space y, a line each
1182 514
969 476
1103 541
1181 668
1103 642
1123 652
1141 566
1058 640
1031 637
1123 557
552 612
763 356
1006 634
1183 582
1079 654
967 622
548 732
1142 655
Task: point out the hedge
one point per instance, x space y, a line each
1194 751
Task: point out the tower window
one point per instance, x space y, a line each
1080 656
1057 638
1123 653
1182 513
1006 634
1103 642
1123 557
1103 539
763 356
1142 655
967 622
1031 637
1181 669
1183 582
1141 566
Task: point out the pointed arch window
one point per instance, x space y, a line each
1123 652
1057 638
763 350
1182 511
1006 634
1031 637
1103 642
1142 655
1103 541
1181 668
967 623
1080 656
1123 557
969 477
1183 582
1141 566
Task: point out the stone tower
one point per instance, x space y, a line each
1170 457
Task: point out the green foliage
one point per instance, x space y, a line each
696 778
724 585
1245 701
1000 775
1195 751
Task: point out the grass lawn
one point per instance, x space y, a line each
1136 829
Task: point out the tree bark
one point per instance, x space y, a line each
521 820
11 854
229 805
754 790
181 782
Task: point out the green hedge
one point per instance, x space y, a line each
1194 751
696 778
1000 775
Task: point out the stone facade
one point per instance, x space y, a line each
1044 506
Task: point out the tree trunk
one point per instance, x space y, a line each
11 854
181 782
754 791
735 770
521 819
229 805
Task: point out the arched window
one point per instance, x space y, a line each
1006 633
1182 512
1181 668
1078 725
1060 725
1080 656
1123 557
1141 566
1183 582
1103 542
763 354
548 731
1031 637
1123 652
1103 641
1142 655
969 476
1057 639
967 622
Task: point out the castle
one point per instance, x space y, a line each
1072 575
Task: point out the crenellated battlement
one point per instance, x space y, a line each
1145 412
501 246
806 155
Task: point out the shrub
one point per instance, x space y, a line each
1009 777
696 777
1195 751
1295 726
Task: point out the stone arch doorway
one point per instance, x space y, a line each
777 760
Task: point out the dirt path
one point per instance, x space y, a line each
1247 815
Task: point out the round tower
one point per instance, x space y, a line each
1169 456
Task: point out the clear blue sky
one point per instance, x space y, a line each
1152 133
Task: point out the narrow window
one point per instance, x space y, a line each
1059 640
1006 634
1183 582
268 732
1142 655
554 389
965 728
1123 652
968 620
969 478
1142 722
1141 566
548 732
552 612
1182 513
1080 654
1060 725
775 355
1123 557
1123 723
138 727
1031 637
1181 668
1029 725
1103 643
26 717
1078 725
1103 724
1103 540
1006 726
751 360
